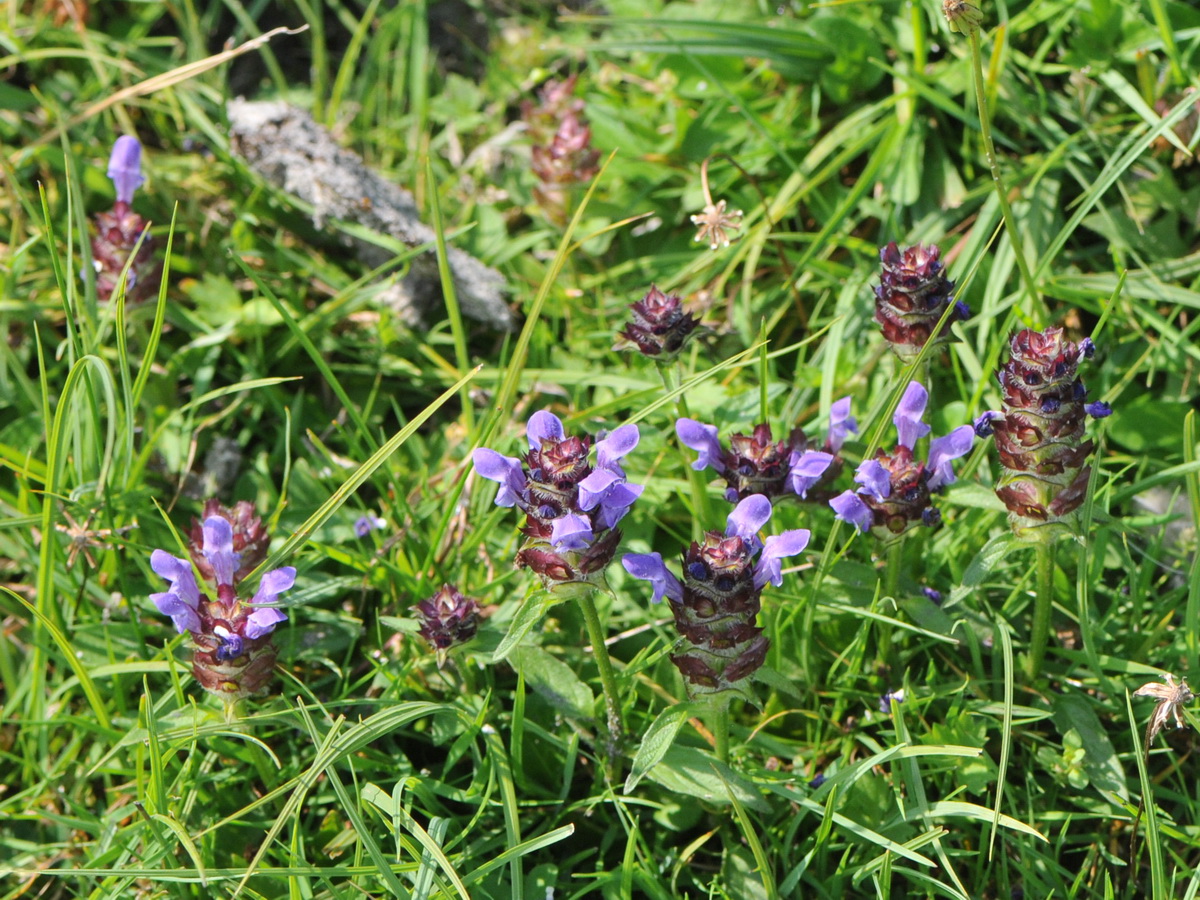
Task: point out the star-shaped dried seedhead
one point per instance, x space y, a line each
714 223
1171 697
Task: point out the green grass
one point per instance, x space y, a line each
366 769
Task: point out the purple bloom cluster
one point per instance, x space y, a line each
233 652
754 464
717 601
895 490
571 507
119 230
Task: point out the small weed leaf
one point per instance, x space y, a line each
657 741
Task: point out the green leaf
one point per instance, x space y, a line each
530 613
1074 713
657 741
695 773
554 681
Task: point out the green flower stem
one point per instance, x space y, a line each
985 127
1039 636
891 588
720 727
608 679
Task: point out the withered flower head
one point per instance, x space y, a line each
447 618
660 328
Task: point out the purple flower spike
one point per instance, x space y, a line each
943 450
182 600
776 548
610 450
807 469
850 508
218 548
125 167
841 424
650 567
748 518
703 439
908 415
543 426
505 470
1098 410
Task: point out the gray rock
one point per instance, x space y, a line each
283 144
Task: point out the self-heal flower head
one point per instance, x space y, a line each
755 463
1040 432
716 603
660 328
125 167
121 231
894 492
571 505
448 619
912 296
231 636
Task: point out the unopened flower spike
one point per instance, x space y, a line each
231 636
660 328
962 17
1039 432
716 602
571 506
448 619
118 231
895 490
912 296
714 223
755 463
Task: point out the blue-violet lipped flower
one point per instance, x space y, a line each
756 464
571 506
233 655
894 492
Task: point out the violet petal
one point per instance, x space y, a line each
263 621
125 167
650 567
543 426
610 450
807 469
218 547
748 518
908 422
505 470
778 547
945 449
703 439
875 479
571 532
849 507
841 424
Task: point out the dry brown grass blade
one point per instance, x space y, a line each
167 79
